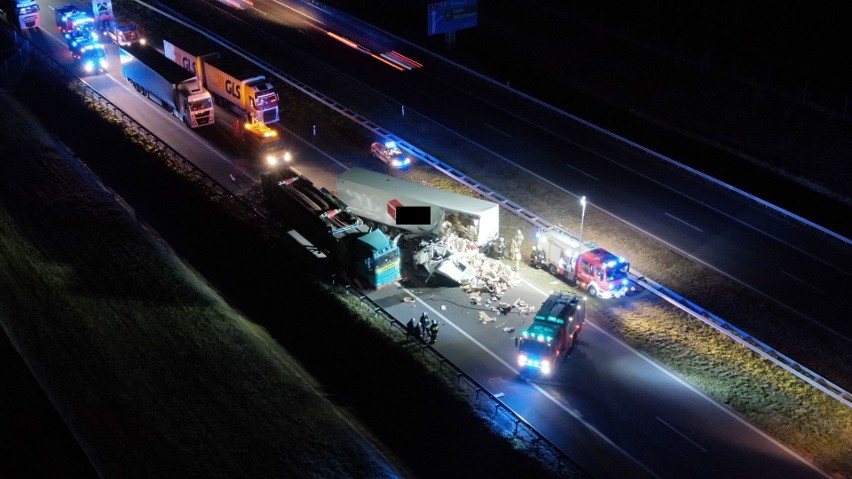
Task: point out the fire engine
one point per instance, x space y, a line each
601 273
553 332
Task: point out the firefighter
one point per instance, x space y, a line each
424 325
501 249
410 326
534 257
433 332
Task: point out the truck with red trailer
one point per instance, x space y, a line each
234 82
326 226
601 273
552 334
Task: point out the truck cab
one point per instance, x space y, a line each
125 34
62 15
26 12
265 143
552 334
92 58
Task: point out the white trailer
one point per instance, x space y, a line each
376 197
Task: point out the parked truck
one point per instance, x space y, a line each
326 223
234 82
552 333
596 270
176 89
63 14
377 198
124 34
23 14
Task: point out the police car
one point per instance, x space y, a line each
391 154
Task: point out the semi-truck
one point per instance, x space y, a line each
596 270
377 197
552 333
366 255
234 82
23 14
176 89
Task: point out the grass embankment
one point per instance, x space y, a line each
154 372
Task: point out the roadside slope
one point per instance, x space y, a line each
150 368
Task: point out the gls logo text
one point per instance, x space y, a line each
232 89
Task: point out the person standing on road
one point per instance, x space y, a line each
433 332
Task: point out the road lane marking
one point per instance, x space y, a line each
681 434
497 130
803 282
538 388
701 394
684 222
581 172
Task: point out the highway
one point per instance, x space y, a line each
612 410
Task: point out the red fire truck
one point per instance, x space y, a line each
598 271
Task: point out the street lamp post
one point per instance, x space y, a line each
582 220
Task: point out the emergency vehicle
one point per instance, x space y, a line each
266 143
601 273
552 334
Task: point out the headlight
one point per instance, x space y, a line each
407 161
271 160
89 66
522 360
545 366
104 64
287 157
395 162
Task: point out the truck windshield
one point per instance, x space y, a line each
266 101
619 272
196 105
272 146
387 259
534 348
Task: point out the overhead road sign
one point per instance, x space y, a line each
452 15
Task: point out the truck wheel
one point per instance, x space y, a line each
553 270
593 291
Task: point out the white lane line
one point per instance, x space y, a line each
533 385
803 282
498 130
581 172
684 222
695 390
681 434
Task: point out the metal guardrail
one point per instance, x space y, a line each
463 381
764 350
542 445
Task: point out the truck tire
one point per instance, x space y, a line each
553 269
593 291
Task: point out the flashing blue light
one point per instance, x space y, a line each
540 337
390 144
407 161
610 264
525 334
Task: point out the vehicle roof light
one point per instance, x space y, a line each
390 144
